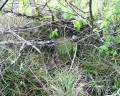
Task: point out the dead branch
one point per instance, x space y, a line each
3 4
22 39
47 43
91 16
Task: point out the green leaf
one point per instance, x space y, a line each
118 28
78 24
50 35
107 53
95 17
54 33
103 48
9 51
74 48
65 15
24 7
104 24
114 53
108 38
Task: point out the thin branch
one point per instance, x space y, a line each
34 43
21 15
49 43
22 39
77 8
73 57
3 5
91 17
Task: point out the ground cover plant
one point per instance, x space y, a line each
59 48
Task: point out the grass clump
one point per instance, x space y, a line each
63 82
38 56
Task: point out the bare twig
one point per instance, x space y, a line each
49 42
96 36
73 57
23 44
3 5
13 62
91 17
22 39
77 8
21 15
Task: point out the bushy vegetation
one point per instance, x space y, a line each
60 48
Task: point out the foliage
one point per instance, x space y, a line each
24 7
89 68
78 24
54 33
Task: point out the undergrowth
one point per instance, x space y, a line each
32 74
39 58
